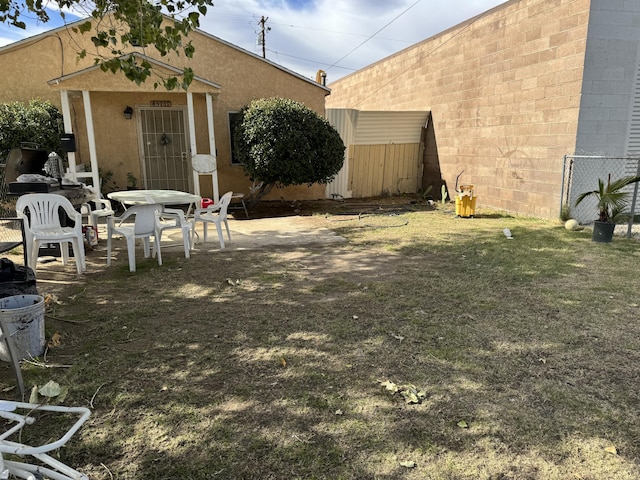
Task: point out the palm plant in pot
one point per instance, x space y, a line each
612 201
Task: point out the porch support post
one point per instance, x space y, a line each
91 139
68 128
192 141
212 147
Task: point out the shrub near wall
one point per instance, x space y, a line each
39 122
282 142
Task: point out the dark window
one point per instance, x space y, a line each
234 118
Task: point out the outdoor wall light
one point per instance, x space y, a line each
128 112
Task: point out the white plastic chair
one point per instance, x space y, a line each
174 218
103 209
145 226
14 423
216 214
41 213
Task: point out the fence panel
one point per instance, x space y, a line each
388 169
581 174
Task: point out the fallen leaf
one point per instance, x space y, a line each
55 340
33 398
408 464
50 389
390 386
411 393
612 450
50 299
410 396
462 424
64 391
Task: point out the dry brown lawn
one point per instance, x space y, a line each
523 354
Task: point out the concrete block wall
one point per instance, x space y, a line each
504 90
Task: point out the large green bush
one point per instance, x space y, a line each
281 142
39 122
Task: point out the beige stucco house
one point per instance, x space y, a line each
508 94
166 128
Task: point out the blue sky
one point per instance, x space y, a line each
338 36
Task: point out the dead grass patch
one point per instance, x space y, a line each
267 364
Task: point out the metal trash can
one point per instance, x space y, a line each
22 318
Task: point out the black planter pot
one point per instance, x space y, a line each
603 231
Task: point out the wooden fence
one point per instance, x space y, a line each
377 170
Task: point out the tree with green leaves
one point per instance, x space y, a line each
39 122
116 26
281 142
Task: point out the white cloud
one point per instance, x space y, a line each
305 39
308 35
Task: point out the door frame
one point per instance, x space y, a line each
186 155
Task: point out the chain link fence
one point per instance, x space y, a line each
581 174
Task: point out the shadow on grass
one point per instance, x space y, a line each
268 364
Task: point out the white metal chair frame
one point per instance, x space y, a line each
54 469
216 214
42 225
144 227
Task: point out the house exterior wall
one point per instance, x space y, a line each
504 89
241 75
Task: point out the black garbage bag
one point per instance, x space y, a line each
16 279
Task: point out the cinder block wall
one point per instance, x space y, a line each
504 91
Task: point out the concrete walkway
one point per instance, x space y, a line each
257 233
269 232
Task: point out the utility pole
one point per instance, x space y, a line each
262 40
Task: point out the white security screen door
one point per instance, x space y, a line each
164 145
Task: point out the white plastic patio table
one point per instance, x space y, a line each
164 197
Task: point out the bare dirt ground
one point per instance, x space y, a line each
292 360
270 225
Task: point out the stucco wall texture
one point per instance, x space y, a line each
504 89
241 76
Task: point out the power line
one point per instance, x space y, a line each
370 37
316 62
252 19
338 33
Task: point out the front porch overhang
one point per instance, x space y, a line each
93 79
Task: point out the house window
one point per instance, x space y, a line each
234 118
